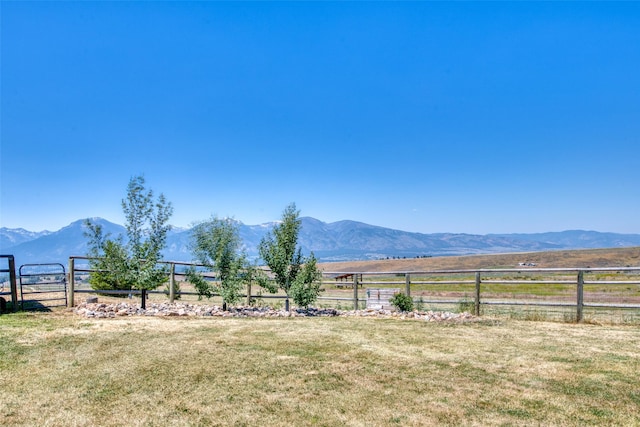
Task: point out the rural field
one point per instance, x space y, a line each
517 286
59 369
618 257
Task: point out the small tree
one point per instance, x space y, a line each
216 244
306 286
122 266
109 261
294 274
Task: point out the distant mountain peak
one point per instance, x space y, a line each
336 241
23 231
15 236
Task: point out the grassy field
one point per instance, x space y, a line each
617 257
58 369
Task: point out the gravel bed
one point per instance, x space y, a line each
102 310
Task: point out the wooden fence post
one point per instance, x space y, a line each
72 282
143 295
13 282
580 296
355 291
407 279
249 292
477 299
172 283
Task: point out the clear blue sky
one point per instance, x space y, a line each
470 117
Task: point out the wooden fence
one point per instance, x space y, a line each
477 289
11 289
479 294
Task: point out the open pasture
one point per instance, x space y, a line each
519 285
585 258
60 369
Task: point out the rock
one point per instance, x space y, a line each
103 310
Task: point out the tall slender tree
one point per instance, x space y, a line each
295 274
119 265
216 244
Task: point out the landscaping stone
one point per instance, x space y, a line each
102 310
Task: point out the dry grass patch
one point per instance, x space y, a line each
610 257
63 370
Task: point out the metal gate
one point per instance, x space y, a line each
43 286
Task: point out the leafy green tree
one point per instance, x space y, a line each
254 274
296 275
122 266
216 244
306 285
108 261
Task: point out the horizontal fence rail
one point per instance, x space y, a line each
568 277
173 275
477 286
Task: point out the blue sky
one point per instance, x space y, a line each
469 117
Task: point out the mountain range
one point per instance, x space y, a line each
336 241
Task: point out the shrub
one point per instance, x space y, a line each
402 302
176 290
466 305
